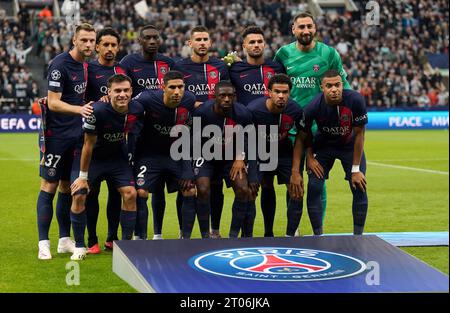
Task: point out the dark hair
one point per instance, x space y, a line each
108 31
145 27
84 26
171 75
279 79
330 73
223 84
199 29
118 78
303 15
252 30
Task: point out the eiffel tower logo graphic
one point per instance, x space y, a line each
273 263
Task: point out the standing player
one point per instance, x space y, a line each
221 111
60 134
104 156
280 111
153 164
201 74
147 70
107 46
251 78
341 116
305 61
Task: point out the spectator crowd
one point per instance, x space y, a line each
387 62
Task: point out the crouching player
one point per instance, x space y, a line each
341 116
223 111
154 165
278 110
104 154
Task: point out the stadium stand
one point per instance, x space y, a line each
402 63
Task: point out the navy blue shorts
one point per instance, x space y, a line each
283 171
327 155
151 172
215 170
57 157
116 171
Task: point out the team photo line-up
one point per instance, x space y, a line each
137 123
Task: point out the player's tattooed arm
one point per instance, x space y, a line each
57 105
358 178
86 156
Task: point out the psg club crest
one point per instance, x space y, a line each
277 264
51 172
213 74
140 181
316 68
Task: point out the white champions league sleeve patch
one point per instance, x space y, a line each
91 119
54 84
55 75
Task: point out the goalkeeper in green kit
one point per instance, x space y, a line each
305 61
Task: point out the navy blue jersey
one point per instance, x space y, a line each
251 81
154 138
335 123
97 85
146 74
239 116
68 77
111 128
201 78
292 116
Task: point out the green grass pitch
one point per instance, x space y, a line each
400 199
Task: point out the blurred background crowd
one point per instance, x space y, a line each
399 63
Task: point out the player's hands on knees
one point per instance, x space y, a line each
238 168
296 188
359 181
186 185
253 188
78 185
87 109
314 166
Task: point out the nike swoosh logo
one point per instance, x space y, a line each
99 76
244 75
289 67
187 76
137 70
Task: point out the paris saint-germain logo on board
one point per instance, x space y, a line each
277 264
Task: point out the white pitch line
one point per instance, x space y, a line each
23 160
408 168
411 160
